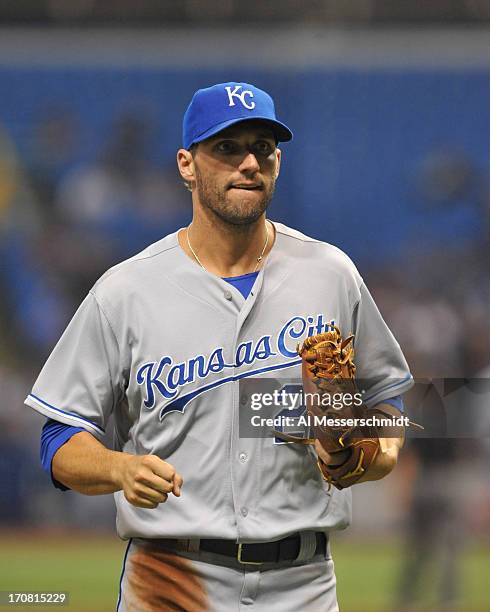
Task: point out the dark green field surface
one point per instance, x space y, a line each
88 567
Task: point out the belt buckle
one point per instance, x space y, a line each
240 560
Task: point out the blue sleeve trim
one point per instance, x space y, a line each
396 401
399 387
76 417
54 434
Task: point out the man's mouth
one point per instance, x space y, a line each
247 186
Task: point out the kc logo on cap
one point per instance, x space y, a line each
217 107
240 96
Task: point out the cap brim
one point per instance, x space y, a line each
281 131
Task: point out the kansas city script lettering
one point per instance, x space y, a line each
166 378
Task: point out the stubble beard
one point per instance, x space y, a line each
232 212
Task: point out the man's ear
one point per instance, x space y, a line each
278 157
185 163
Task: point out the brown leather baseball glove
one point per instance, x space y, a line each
333 402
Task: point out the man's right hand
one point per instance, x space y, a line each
146 480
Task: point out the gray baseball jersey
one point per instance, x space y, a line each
161 344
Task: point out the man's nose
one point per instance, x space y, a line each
249 163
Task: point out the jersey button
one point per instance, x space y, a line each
227 295
244 511
243 457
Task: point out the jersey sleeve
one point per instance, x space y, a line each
381 368
81 382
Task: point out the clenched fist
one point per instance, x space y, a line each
146 480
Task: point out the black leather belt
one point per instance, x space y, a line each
256 553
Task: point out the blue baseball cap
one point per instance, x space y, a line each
215 108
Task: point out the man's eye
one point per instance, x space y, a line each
226 146
263 147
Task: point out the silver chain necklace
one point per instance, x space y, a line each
259 258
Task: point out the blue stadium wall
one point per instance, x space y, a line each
351 174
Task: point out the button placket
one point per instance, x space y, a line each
243 466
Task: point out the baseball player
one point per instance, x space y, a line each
213 521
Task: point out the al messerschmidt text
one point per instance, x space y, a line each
308 420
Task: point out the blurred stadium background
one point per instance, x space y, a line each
390 104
